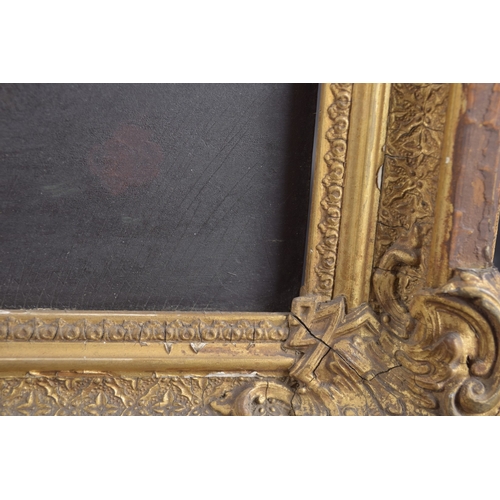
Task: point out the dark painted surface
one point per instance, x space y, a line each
150 197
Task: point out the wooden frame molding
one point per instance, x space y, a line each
399 313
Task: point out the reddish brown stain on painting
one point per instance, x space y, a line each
129 158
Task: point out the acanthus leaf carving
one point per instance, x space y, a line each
436 353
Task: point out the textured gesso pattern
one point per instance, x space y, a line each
114 395
417 114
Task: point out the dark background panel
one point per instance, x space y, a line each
154 197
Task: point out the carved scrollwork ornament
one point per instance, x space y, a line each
436 356
399 313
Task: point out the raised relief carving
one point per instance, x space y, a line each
438 355
106 394
332 182
416 122
37 329
411 351
342 354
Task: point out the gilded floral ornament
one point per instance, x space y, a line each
437 357
400 309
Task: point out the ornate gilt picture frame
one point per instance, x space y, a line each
399 313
